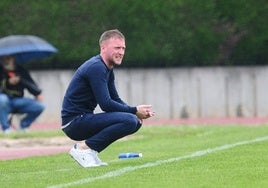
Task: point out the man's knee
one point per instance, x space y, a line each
39 107
35 107
133 122
131 119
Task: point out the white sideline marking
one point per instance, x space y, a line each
159 162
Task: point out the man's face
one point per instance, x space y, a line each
113 50
8 63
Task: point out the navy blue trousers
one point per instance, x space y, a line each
100 130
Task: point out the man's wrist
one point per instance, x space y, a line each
133 110
136 110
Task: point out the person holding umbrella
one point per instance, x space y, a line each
13 80
15 50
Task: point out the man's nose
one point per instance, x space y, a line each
122 51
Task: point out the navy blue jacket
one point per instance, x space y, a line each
92 84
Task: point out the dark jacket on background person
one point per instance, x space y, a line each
26 82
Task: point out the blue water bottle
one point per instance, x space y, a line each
129 155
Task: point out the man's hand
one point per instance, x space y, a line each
144 111
39 97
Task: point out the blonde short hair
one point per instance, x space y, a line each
110 34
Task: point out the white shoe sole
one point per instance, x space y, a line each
103 164
79 157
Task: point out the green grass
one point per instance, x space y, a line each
241 166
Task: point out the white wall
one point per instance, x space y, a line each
175 92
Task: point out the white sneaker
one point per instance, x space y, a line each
86 158
7 131
23 130
97 159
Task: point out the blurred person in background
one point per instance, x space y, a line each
92 84
13 80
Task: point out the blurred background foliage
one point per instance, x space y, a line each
159 33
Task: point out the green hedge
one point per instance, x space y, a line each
160 33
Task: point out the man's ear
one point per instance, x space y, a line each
102 47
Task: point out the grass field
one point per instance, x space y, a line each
173 156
